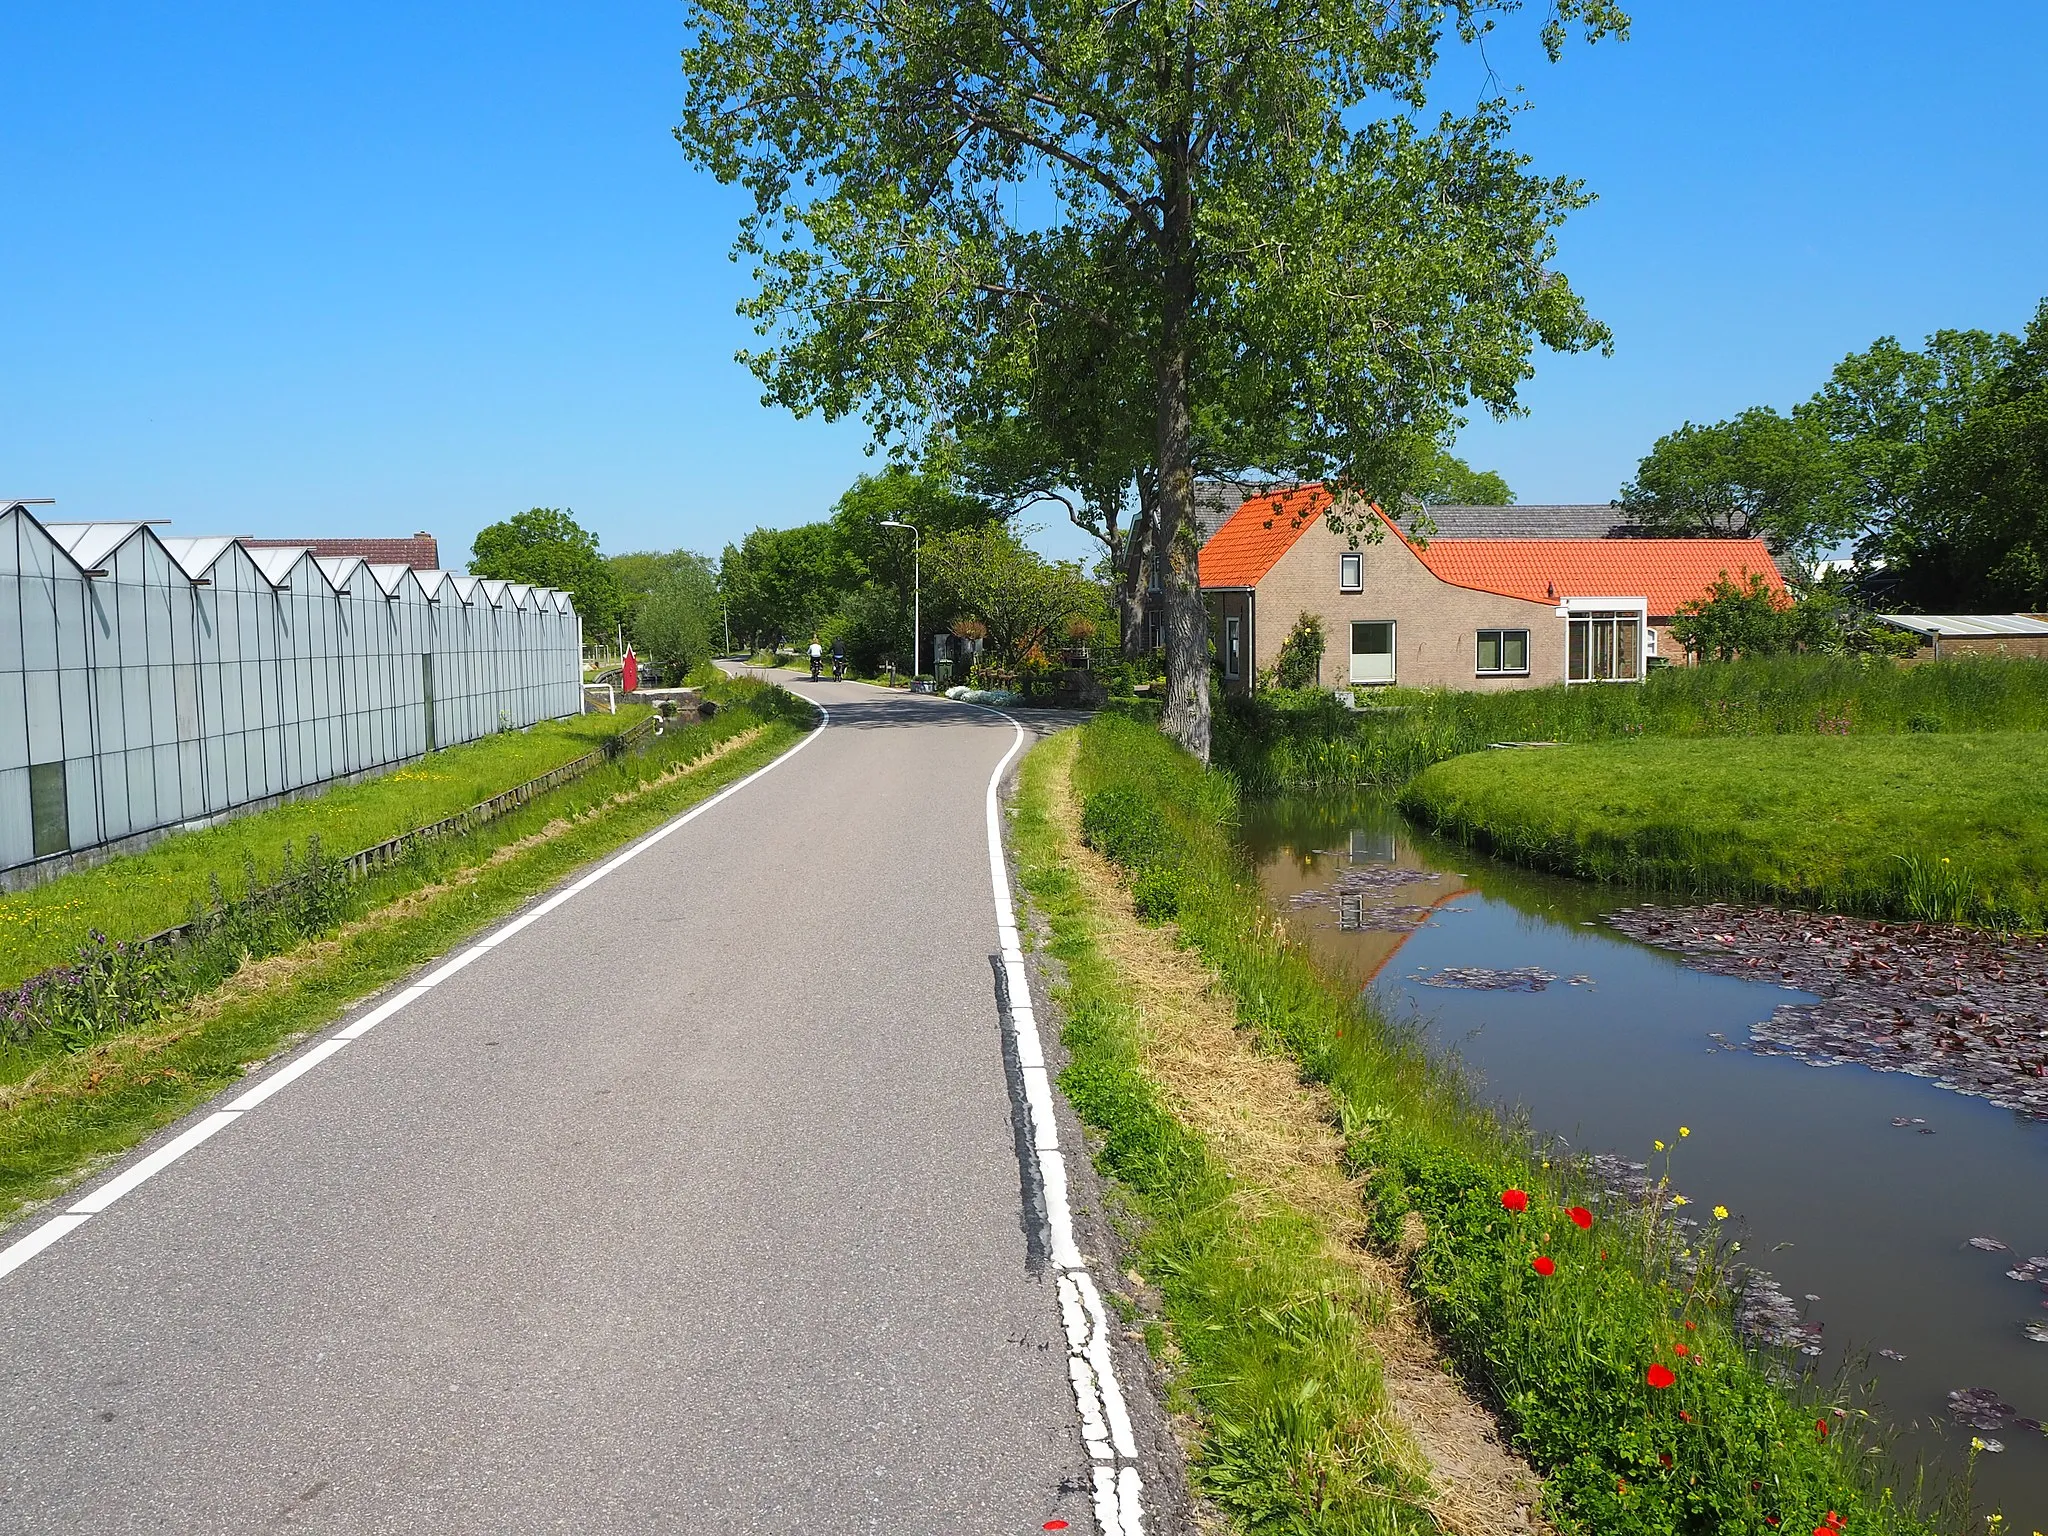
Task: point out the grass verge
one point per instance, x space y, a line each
1939 828
1613 1362
1282 739
63 1111
135 895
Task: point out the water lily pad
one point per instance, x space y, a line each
1988 1244
1980 1408
1478 978
1891 1354
1984 1443
2037 1330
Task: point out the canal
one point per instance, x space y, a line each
1859 1191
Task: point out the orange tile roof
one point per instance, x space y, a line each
1664 572
1251 542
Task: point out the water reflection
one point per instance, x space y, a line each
1859 1189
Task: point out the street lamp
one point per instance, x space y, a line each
916 596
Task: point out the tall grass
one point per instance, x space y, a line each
1569 1359
135 895
1281 740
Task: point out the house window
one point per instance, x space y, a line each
48 815
1158 635
1351 573
1604 648
1372 651
1155 572
1233 630
1503 652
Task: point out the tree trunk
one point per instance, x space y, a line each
1186 718
1131 569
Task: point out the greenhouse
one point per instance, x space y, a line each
148 681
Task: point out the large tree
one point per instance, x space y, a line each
1246 199
547 547
1759 475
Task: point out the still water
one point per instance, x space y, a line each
1837 1202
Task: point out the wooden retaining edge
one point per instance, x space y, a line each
359 864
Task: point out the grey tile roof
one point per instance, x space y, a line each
1215 501
1959 625
1594 521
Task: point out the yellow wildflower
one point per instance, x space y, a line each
1680 1200
1658 1145
1685 1130
1720 1213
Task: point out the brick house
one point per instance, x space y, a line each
1497 597
422 551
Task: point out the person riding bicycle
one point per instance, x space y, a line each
839 658
817 658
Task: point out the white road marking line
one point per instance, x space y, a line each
20 1252
23 1249
290 1074
1105 1417
155 1163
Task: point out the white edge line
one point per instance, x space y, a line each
1119 1509
155 1163
23 1249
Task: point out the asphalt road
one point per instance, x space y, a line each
693 1206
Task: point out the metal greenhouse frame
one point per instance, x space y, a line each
148 681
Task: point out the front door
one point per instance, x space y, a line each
1372 651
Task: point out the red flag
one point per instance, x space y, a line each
632 672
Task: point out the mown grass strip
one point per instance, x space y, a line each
69 1110
1304 739
1269 1337
1571 1359
135 895
1939 828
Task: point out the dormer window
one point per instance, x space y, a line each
1351 572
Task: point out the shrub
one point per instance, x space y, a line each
1300 663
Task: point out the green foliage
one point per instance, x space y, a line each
1300 662
678 624
547 547
1760 475
1024 599
1562 1358
1735 618
1278 740
1454 483
1855 823
139 894
874 626
780 583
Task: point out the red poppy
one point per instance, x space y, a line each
1659 1376
1822 1426
1514 1199
1543 1265
1665 1457
1581 1217
1681 1349
1690 1325
1756 1487
1833 1521
1603 1255
1684 1417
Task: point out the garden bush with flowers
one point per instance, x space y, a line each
1599 1331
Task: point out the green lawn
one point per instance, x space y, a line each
140 894
1920 825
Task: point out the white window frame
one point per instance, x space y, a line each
1352 561
1393 650
1586 610
1233 643
1501 671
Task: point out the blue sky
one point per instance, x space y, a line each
323 268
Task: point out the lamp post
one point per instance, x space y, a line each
916 596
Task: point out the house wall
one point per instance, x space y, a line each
1436 625
2033 647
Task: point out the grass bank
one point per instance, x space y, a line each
1305 740
66 1105
135 895
1940 828
1600 1333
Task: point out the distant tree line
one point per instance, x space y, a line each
1931 463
